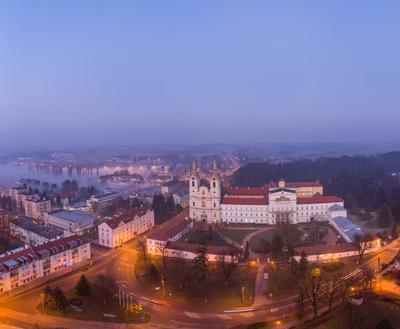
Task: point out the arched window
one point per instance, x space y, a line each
203 203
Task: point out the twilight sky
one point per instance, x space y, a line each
136 72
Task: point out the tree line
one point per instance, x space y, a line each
362 181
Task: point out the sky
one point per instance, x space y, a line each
77 73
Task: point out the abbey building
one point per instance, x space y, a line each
273 203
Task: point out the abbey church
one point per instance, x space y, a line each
272 203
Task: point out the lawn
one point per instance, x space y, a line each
281 283
182 286
237 234
93 308
290 233
205 237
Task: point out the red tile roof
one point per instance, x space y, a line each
326 249
234 190
127 217
171 227
192 247
318 198
245 201
53 247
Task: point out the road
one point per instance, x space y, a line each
165 314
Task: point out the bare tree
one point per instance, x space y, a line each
228 262
312 286
178 266
361 243
142 248
332 288
367 279
164 258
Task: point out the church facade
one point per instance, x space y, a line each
205 195
273 203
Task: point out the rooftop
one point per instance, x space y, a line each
336 207
234 190
128 217
29 254
192 247
348 227
171 227
245 201
29 225
106 195
318 198
326 249
73 215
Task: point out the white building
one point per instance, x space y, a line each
36 207
23 266
74 221
245 205
205 195
16 193
329 253
272 205
105 200
113 233
31 233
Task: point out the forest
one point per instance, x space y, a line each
367 182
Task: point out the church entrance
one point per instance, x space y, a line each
203 216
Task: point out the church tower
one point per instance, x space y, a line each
215 193
205 196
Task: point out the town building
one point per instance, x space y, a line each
36 206
303 189
167 240
331 253
105 200
189 251
172 230
16 194
114 232
71 222
22 266
31 233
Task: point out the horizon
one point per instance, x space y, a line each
101 74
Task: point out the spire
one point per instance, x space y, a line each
214 165
214 170
194 171
194 166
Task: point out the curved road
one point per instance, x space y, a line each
120 264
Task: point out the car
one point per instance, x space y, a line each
157 288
